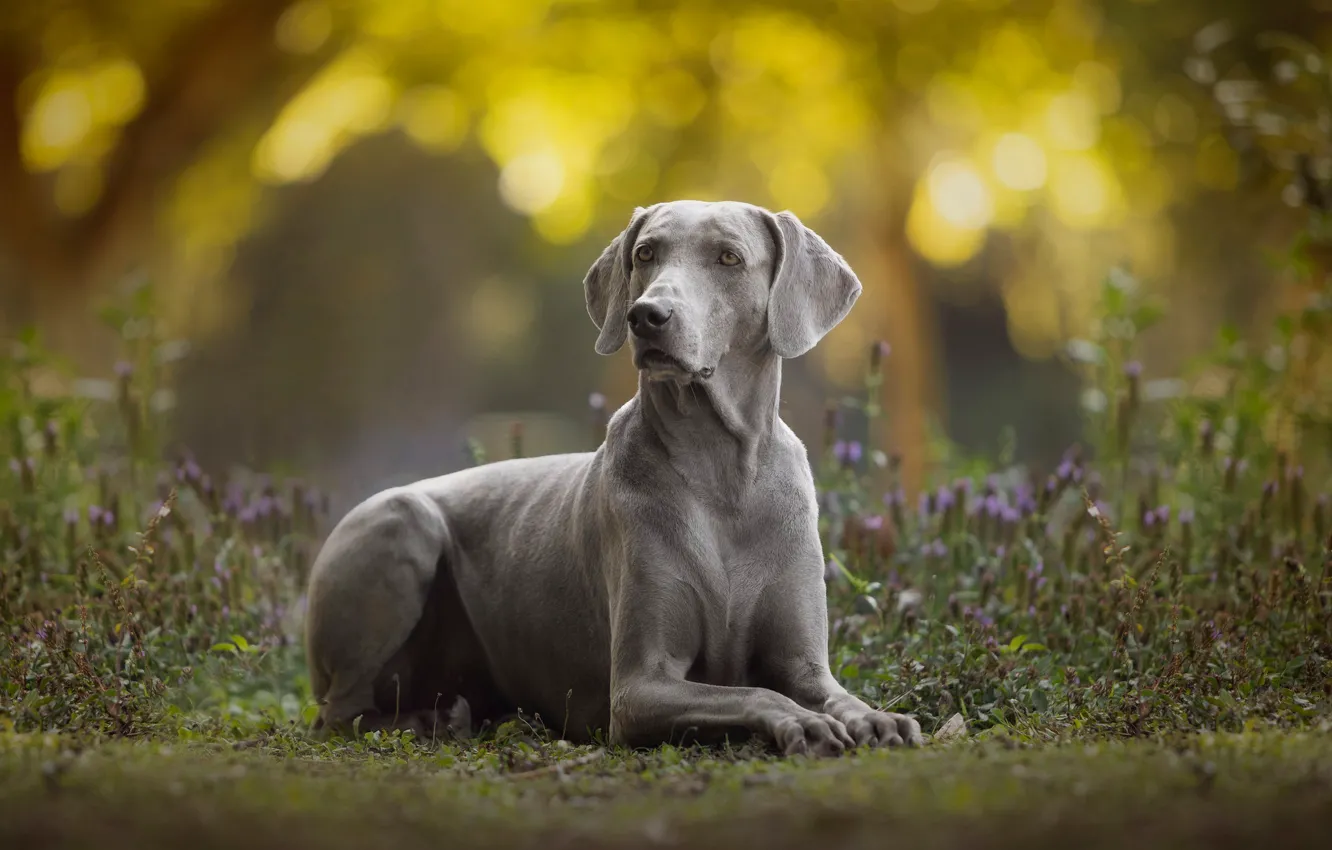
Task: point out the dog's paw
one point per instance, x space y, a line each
882 729
812 734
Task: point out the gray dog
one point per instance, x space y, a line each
670 583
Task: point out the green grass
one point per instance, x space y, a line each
1139 639
276 790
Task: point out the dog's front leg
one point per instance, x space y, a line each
651 708
797 660
658 629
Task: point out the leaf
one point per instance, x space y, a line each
1033 647
851 671
1016 643
241 643
222 647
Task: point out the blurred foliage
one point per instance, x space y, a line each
1065 127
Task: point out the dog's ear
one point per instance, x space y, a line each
606 286
813 288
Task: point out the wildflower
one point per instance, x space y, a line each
831 571
874 522
879 458
1186 516
124 369
944 499
853 452
938 549
840 451
992 506
597 402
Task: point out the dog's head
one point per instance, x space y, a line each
691 282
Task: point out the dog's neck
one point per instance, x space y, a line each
732 415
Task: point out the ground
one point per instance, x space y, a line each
277 789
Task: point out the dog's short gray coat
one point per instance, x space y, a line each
668 585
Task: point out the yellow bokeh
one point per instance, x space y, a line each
1072 121
435 117
531 182
959 194
1019 162
1084 192
59 122
936 237
304 27
351 97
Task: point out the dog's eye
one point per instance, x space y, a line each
643 254
729 258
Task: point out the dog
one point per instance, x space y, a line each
667 585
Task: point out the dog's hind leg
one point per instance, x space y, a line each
368 591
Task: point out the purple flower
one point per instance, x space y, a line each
217 582
108 518
1011 515
884 348
1149 518
1133 368
992 506
71 517
924 504
124 369
840 451
1064 470
873 522
853 451
938 549
226 612
194 610
1040 582
944 498
1163 514
1186 516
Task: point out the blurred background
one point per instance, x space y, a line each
364 224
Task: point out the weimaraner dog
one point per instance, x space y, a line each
668 585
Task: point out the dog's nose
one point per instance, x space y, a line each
647 318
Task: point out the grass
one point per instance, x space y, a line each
1200 791
1139 639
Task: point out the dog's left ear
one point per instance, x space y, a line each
813 288
606 286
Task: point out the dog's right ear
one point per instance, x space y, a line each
606 286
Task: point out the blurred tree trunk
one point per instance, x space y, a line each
221 67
